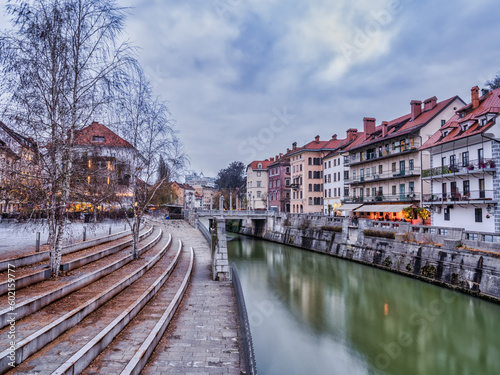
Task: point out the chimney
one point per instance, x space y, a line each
430 103
416 109
294 145
276 158
281 155
351 134
316 139
271 159
369 125
384 128
475 97
287 150
334 137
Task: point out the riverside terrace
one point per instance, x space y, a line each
109 314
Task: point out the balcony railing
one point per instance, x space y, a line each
407 197
369 156
470 167
383 176
459 196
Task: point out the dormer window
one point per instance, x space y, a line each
483 122
98 138
445 133
461 114
259 166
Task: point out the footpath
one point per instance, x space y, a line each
203 337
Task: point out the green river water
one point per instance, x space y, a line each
315 314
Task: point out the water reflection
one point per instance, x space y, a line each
314 314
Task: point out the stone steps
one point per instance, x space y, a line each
42 327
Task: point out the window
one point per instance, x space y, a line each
367 192
346 175
443 190
411 164
258 184
452 160
465 159
258 194
478 215
287 170
310 174
258 174
411 188
98 138
301 167
310 201
326 165
287 182
443 122
367 172
293 169
380 169
482 192
374 191
480 155
443 161
353 175
466 187
259 166
309 161
310 187
329 164
393 189
346 192
447 214
393 167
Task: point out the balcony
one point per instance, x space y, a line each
384 176
473 166
365 157
471 197
295 186
410 197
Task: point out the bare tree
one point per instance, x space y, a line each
144 121
60 66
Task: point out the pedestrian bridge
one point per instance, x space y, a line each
235 214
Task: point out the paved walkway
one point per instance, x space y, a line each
203 337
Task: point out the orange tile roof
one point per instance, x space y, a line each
403 125
111 139
265 164
489 103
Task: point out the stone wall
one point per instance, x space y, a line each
436 255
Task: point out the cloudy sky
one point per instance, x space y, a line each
246 78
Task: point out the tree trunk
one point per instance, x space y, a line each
135 236
56 245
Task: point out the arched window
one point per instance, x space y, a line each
309 161
259 166
310 187
310 201
301 209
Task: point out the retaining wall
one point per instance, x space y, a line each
436 255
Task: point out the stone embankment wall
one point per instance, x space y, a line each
444 256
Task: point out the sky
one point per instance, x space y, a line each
244 79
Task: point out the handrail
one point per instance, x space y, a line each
250 364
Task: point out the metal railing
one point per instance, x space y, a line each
384 176
470 166
205 233
406 197
369 156
250 364
460 196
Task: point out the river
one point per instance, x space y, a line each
315 314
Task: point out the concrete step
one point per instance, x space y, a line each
84 340
29 300
37 330
32 274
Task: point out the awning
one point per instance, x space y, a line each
382 208
349 207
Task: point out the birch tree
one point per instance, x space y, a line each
60 64
145 122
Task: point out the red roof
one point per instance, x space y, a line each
99 135
402 125
183 186
489 103
265 164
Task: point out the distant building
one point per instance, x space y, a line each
200 179
307 174
104 160
185 194
464 155
279 183
207 194
18 169
257 183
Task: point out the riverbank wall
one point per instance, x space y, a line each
452 257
